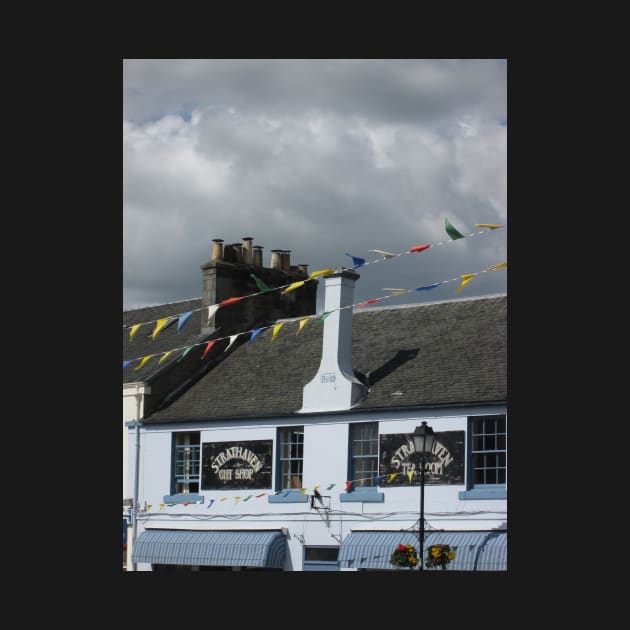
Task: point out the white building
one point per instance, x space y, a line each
297 454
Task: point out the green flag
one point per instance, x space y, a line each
451 231
260 284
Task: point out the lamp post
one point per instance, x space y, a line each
423 438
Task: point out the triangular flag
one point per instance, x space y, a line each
212 309
303 323
392 477
262 494
321 272
490 226
161 506
428 287
451 231
369 302
158 326
349 485
126 363
171 504
260 284
149 506
276 330
396 291
331 486
303 491
232 340
358 262
144 361
223 499
418 248
133 331
323 317
164 356
236 500
292 287
208 346
231 300
410 475
255 334
382 253
186 503
210 502
377 480
183 318
467 277
186 351
499 266
248 497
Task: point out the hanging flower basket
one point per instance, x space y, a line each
404 557
439 556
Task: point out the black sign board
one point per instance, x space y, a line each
444 465
236 465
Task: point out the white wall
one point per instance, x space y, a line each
325 462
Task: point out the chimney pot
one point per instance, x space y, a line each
248 257
217 249
285 260
238 249
258 256
276 260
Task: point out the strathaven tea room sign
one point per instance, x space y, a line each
443 465
236 465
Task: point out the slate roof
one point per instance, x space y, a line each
168 338
440 353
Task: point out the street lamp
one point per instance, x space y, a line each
423 438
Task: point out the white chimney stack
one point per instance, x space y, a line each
335 387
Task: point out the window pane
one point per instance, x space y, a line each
321 554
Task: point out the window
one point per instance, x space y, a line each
488 451
186 452
364 453
321 559
291 460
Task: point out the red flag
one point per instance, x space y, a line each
419 248
369 302
349 485
231 300
210 344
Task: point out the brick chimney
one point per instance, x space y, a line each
335 387
228 275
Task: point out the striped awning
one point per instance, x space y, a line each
246 548
475 550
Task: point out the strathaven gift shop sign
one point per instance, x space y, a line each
443 465
236 465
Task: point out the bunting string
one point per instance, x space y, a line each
304 319
183 317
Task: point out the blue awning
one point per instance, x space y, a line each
247 548
475 550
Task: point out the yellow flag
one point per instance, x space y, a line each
149 506
302 490
467 277
144 361
164 356
490 226
303 323
392 477
276 330
161 506
236 500
410 475
223 499
396 291
158 326
292 287
321 272
133 331
499 266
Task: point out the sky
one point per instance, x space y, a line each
323 157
